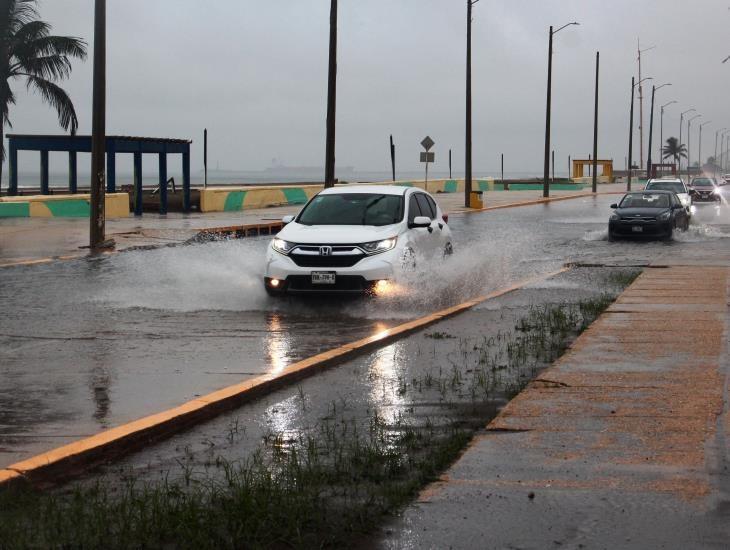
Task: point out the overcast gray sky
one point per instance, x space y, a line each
255 74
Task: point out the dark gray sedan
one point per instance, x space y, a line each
647 214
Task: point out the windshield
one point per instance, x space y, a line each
676 186
353 209
645 200
702 183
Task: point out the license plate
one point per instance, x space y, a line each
637 229
323 277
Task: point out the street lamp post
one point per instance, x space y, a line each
681 122
595 129
467 151
689 152
329 176
661 128
641 103
651 126
631 133
98 130
546 178
717 134
699 154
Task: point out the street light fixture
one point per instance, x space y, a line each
546 179
681 123
651 125
641 101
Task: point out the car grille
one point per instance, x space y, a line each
640 219
340 256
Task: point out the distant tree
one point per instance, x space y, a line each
29 52
674 150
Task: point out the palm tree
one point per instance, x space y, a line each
28 51
674 150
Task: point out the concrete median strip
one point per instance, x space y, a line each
68 460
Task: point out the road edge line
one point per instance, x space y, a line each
76 457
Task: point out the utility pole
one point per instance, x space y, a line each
467 152
595 129
546 174
631 134
681 123
98 131
641 104
504 185
450 164
715 164
329 171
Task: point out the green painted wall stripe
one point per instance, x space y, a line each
14 210
68 209
450 186
234 201
295 196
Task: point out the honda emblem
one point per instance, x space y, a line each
325 251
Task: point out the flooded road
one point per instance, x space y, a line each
89 344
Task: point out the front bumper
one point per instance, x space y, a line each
706 197
625 228
360 278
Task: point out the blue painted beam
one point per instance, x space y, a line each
44 173
138 184
163 183
82 144
72 172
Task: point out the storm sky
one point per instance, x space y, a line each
255 74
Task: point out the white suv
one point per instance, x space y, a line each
672 184
355 238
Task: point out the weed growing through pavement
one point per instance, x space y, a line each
324 485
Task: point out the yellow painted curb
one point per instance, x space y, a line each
63 462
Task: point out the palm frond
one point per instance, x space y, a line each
48 45
57 98
51 67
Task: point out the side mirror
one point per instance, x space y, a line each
287 219
614 206
420 221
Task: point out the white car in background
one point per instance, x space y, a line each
355 238
676 185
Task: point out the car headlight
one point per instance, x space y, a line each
282 246
716 191
665 216
615 217
684 200
376 247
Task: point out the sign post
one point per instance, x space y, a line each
426 156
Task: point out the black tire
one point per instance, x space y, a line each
448 250
611 236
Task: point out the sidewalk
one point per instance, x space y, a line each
623 443
27 240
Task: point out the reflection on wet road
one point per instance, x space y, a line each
89 344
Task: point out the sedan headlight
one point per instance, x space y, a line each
376 247
282 246
716 191
665 216
615 217
685 200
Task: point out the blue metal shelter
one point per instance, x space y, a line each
114 145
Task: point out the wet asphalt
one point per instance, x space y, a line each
89 344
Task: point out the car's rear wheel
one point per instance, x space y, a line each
448 250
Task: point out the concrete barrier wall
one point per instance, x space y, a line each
61 206
589 180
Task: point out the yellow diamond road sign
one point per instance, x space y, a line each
427 143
